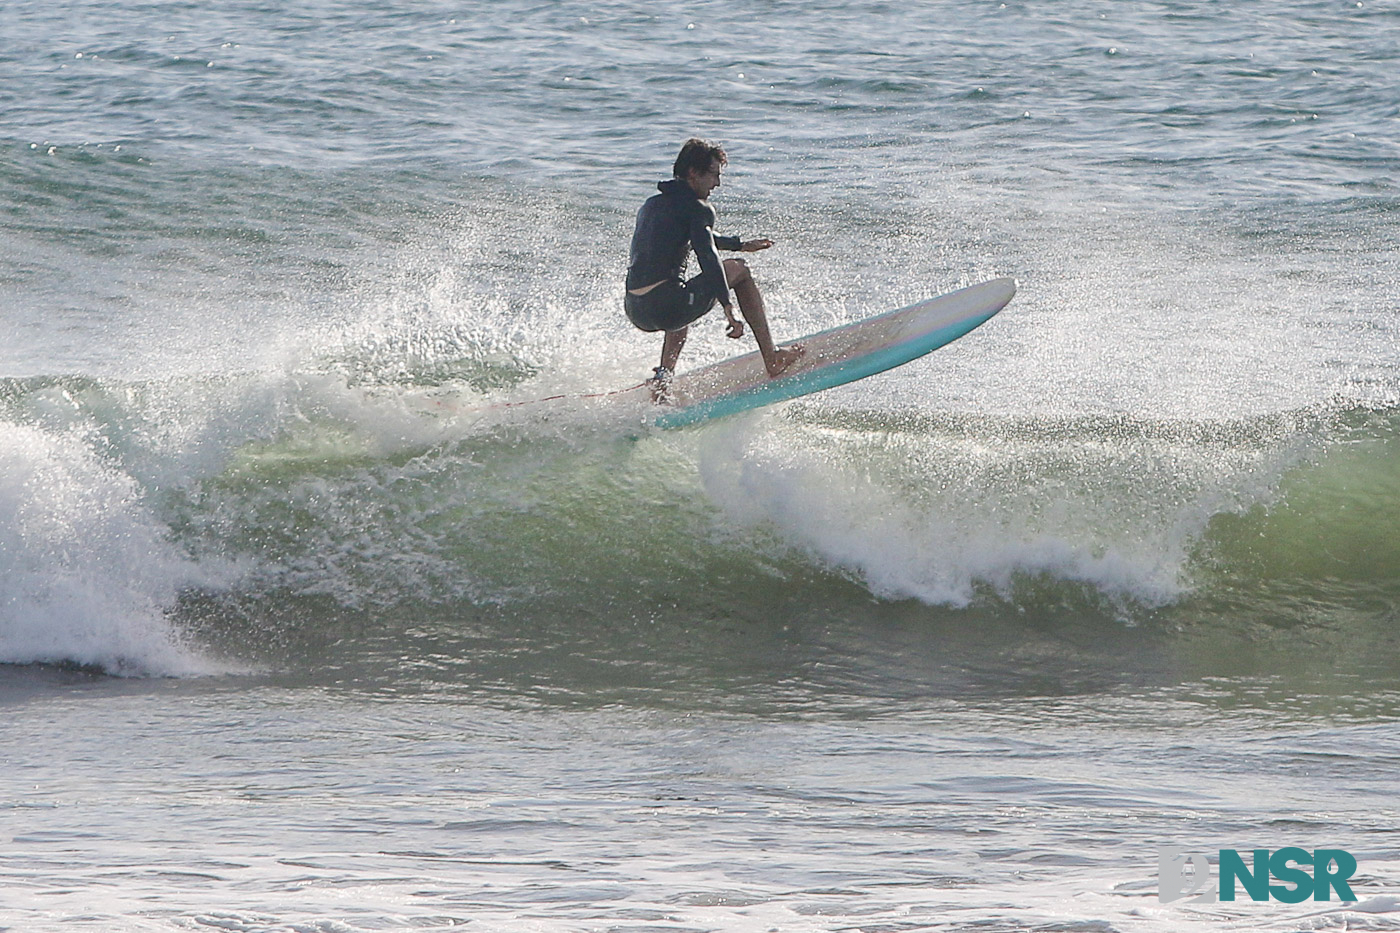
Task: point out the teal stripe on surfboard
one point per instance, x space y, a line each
899 337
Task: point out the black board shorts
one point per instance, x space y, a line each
669 306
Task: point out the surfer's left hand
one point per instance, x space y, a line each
753 246
736 328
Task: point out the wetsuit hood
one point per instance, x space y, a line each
677 186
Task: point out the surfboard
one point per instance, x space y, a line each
833 357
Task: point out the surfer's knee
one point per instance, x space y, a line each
736 271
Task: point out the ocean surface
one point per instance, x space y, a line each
301 629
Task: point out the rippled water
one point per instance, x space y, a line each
958 647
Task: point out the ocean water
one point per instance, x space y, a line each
302 630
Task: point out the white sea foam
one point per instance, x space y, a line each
934 515
88 574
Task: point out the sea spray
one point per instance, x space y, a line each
89 574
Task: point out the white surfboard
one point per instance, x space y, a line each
833 357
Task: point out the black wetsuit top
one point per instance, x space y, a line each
667 224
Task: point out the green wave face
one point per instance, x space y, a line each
287 523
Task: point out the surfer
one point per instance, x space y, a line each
669 224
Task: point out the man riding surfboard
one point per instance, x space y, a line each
671 224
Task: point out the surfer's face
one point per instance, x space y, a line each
705 182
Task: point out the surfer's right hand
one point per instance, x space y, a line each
736 327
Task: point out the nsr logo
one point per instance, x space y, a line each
1183 872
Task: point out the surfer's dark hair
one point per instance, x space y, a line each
697 154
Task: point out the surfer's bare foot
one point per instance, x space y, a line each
784 357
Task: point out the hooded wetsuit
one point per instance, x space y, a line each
668 226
